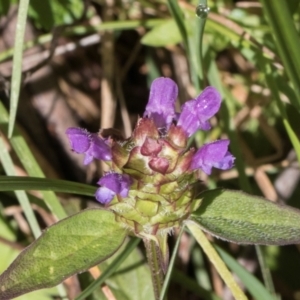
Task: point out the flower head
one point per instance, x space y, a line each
150 184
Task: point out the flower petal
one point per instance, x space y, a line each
79 139
196 113
226 163
116 183
161 104
208 103
214 154
126 182
104 195
99 149
91 144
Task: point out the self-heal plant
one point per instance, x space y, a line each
150 185
148 192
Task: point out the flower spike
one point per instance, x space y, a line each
150 185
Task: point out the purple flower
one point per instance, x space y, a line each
215 155
161 104
112 184
196 113
90 144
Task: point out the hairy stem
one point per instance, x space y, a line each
153 257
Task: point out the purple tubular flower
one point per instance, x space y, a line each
90 144
161 104
196 113
211 155
112 184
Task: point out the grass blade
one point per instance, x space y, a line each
270 75
286 39
9 168
215 260
14 183
254 286
17 64
179 19
30 164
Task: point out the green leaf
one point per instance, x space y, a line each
9 253
70 246
162 35
238 217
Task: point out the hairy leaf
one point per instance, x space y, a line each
68 247
246 219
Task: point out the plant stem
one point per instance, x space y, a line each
171 265
216 260
153 256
